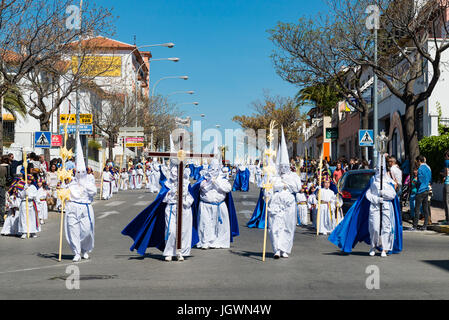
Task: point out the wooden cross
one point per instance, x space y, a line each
181 155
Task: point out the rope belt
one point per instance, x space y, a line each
219 220
302 203
88 213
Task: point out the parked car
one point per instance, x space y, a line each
351 185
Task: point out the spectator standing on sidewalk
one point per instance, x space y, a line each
4 179
446 187
422 195
396 173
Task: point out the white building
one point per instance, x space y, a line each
122 60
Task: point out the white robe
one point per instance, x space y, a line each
107 185
11 224
327 217
385 237
115 180
80 220
252 173
41 202
132 179
171 218
302 208
33 222
154 178
139 178
124 181
281 217
213 217
258 177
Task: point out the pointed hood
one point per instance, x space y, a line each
283 151
80 166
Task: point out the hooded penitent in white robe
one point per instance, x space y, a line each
171 216
213 221
381 238
80 220
281 217
33 222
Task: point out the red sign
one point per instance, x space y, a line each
56 140
135 140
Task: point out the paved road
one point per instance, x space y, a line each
315 269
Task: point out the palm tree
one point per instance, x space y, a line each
324 96
13 102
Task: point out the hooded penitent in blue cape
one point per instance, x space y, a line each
233 222
241 182
258 218
147 229
354 227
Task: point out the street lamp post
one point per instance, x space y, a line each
137 74
164 78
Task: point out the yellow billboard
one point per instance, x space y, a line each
99 66
85 118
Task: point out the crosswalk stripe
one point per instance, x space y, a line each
114 203
141 203
249 203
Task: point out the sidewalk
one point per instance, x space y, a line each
437 215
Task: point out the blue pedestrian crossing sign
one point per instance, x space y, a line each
42 139
366 138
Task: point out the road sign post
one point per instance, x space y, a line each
366 138
42 139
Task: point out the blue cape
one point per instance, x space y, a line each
192 170
162 177
233 222
354 227
196 172
241 182
258 218
147 229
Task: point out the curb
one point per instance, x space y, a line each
440 229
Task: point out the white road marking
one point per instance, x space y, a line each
141 203
140 197
247 213
47 267
114 203
106 214
249 203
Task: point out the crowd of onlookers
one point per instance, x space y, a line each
414 188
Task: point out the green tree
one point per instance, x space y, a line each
324 96
13 102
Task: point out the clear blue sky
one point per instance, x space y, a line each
223 46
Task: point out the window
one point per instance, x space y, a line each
8 131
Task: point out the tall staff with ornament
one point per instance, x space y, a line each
63 175
268 171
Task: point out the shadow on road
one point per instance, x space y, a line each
253 255
442 264
55 256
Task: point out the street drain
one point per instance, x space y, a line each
87 277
